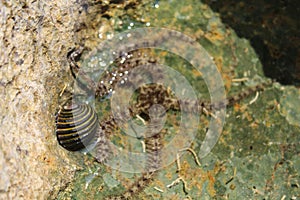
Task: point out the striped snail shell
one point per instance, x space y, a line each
76 126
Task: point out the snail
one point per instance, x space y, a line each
76 126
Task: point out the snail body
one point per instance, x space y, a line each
76 126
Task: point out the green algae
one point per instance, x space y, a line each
256 156
290 105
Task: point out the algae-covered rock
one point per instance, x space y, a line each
256 156
290 108
242 162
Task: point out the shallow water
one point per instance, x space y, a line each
257 154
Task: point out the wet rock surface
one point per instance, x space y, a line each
256 157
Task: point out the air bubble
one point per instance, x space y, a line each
102 64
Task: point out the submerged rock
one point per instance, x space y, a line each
290 105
